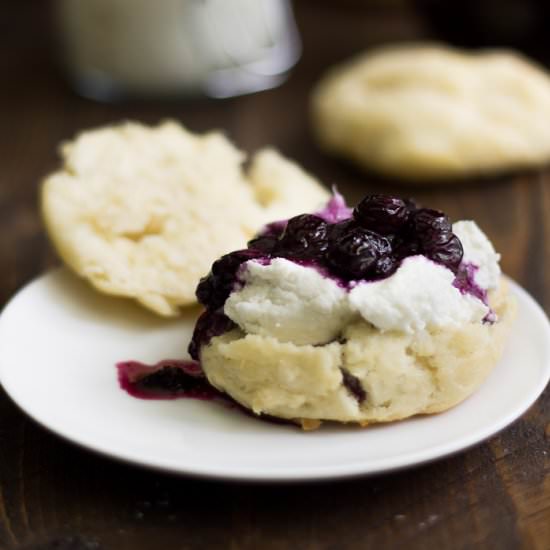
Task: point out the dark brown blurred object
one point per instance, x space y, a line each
519 24
56 496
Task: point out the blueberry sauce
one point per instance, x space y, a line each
360 254
214 289
465 282
209 324
178 379
168 379
363 244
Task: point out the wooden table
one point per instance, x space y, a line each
56 496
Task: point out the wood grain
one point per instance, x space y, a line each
56 496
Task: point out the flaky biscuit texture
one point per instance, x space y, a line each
143 212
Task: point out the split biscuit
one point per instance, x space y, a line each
142 212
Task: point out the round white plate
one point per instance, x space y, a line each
59 342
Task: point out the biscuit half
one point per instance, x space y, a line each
142 212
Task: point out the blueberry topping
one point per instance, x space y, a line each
406 245
448 253
356 253
411 204
214 289
337 230
368 243
274 229
232 261
382 213
336 209
263 243
169 378
209 324
385 266
431 223
305 237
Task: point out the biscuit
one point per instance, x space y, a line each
399 374
431 113
142 212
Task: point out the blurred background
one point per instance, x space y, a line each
68 66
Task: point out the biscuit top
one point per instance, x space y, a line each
142 212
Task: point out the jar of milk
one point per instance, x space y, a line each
114 49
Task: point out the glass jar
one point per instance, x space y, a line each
114 49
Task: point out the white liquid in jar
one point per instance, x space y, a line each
169 47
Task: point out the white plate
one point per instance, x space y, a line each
59 342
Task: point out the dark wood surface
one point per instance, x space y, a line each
56 496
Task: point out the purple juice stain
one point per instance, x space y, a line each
466 283
178 379
336 210
167 379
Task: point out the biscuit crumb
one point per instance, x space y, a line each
310 424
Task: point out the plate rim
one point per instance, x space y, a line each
316 473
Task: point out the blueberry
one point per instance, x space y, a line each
431 223
437 242
263 243
353 385
209 324
448 253
410 204
382 213
274 229
305 237
336 230
230 263
386 266
168 378
355 254
214 289
206 291
406 244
